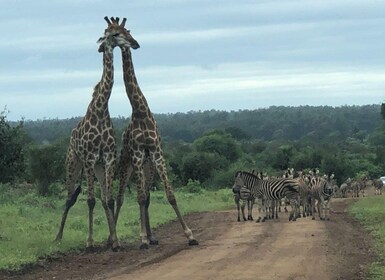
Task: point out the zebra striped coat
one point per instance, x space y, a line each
267 191
321 192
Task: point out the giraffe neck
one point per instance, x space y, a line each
102 90
138 101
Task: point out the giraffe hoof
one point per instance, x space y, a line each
193 242
143 246
90 249
313 218
154 242
115 246
57 239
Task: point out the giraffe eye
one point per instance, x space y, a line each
115 35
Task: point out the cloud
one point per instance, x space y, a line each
194 54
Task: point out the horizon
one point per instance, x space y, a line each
199 111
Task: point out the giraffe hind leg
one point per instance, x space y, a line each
104 176
160 166
69 203
148 172
125 171
73 169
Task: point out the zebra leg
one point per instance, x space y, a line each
313 208
296 210
259 210
293 212
250 204
327 214
238 209
319 205
276 202
243 212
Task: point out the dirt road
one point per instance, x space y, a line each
305 249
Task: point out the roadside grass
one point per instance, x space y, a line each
371 214
29 223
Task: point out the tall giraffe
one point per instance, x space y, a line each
142 153
92 144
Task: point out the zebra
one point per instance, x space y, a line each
378 185
268 191
345 186
241 199
304 194
321 192
355 187
287 174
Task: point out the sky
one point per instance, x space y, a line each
194 55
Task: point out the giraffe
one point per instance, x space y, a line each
142 154
92 143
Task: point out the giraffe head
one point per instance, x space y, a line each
116 35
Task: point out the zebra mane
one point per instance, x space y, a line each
245 173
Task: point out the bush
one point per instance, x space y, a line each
200 166
12 140
193 186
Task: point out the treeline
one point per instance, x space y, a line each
205 149
273 123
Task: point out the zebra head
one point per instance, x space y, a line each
238 182
329 189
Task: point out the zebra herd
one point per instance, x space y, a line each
304 193
353 188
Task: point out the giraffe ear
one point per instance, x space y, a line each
101 39
101 48
101 42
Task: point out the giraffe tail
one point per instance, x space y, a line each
72 200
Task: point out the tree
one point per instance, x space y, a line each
12 140
47 165
220 143
200 166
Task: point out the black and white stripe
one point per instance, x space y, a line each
268 191
241 199
321 193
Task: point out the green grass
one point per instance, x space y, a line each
371 214
29 223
